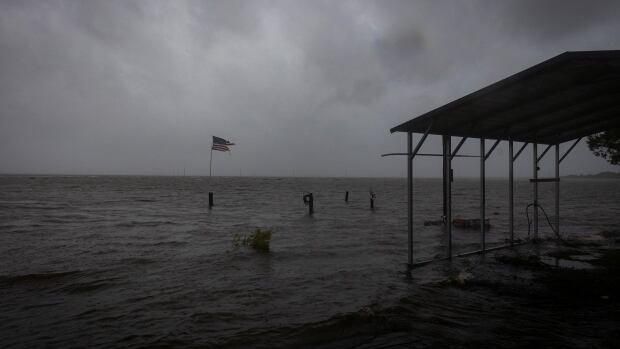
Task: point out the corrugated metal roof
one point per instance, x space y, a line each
572 95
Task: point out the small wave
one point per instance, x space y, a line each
136 261
144 224
8 226
217 317
88 286
36 278
100 315
348 330
39 305
145 200
169 243
55 220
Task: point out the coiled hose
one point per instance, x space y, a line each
529 222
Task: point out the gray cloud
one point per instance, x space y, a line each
555 19
304 88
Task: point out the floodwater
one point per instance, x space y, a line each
122 261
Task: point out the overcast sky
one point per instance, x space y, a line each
303 88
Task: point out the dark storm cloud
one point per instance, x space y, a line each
304 88
555 19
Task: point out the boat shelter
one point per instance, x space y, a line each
563 99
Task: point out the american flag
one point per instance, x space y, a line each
221 144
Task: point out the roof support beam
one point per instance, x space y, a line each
543 153
519 152
458 146
491 150
569 149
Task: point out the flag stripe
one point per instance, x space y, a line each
220 147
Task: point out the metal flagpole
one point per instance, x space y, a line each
210 161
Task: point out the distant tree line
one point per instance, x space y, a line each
606 145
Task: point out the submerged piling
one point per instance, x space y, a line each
210 199
309 200
372 200
346 196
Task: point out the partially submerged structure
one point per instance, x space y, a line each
563 99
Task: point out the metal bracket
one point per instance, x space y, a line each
491 150
569 149
458 146
417 147
519 152
544 152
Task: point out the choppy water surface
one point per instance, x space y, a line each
141 261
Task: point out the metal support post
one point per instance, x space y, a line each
448 160
409 199
535 174
444 180
511 212
482 194
557 189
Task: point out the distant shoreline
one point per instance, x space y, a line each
601 175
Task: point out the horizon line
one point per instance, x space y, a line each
267 176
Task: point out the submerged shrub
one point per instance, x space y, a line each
258 239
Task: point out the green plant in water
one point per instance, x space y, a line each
258 239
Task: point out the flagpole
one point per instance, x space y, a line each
210 161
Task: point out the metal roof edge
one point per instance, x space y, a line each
535 69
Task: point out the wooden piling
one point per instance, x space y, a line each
210 199
309 200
